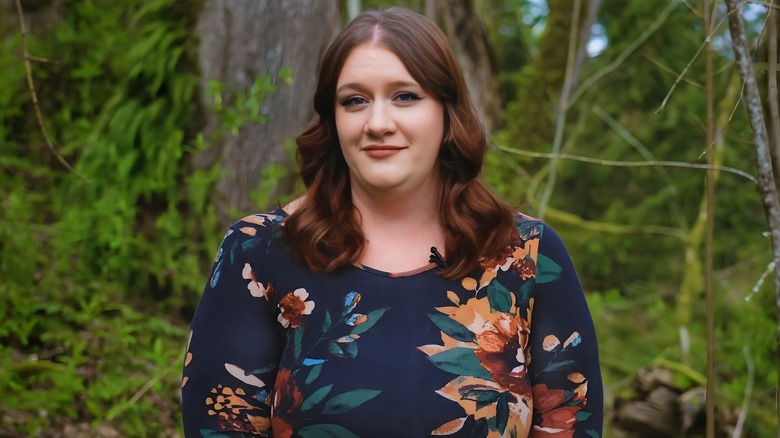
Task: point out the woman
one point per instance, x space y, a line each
398 297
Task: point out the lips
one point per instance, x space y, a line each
382 151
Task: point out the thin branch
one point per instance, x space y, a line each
563 106
587 83
633 141
688 66
672 201
760 282
774 111
710 210
39 59
692 8
751 368
668 69
770 5
34 94
118 409
601 162
567 218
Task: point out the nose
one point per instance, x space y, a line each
380 121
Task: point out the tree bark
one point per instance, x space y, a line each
240 40
766 180
469 40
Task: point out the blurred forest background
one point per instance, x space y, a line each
177 117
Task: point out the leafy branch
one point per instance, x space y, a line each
34 94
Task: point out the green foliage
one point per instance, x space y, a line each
98 276
79 257
634 280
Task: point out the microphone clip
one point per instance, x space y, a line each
438 259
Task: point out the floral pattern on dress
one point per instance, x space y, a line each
265 411
485 344
298 353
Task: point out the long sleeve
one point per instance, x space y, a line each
233 352
565 372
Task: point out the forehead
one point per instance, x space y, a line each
370 62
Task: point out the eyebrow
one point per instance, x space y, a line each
393 84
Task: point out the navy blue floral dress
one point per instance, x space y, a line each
278 350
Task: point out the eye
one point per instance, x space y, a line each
407 97
352 101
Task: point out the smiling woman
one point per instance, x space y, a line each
390 130
330 317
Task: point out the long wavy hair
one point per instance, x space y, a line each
324 231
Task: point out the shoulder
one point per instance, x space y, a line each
259 224
543 243
253 231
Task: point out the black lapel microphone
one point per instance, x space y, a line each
438 259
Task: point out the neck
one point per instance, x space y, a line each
399 229
390 210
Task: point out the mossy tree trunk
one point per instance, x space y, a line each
469 39
533 110
241 40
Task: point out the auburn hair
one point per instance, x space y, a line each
324 231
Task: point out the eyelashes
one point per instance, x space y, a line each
352 101
402 98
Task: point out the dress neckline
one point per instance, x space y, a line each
409 273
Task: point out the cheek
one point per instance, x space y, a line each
348 127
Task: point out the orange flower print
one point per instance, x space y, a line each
503 351
287 403
293 306
232 406
557 419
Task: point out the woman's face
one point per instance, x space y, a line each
389 128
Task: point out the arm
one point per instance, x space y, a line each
232 356
565 373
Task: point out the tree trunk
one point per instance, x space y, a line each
471 45
240 40
766 180
542 93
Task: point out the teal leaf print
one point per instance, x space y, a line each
351 349
233 249
482 396
372 319
582 415
215 277
452 328
325 431
313 374
593 433
248 244
528 230
335 349
297 335
326 325
526 289
206 433
547 270
502 412
310 362
266 369
557 366
499 297
461 361
316 397
348 401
